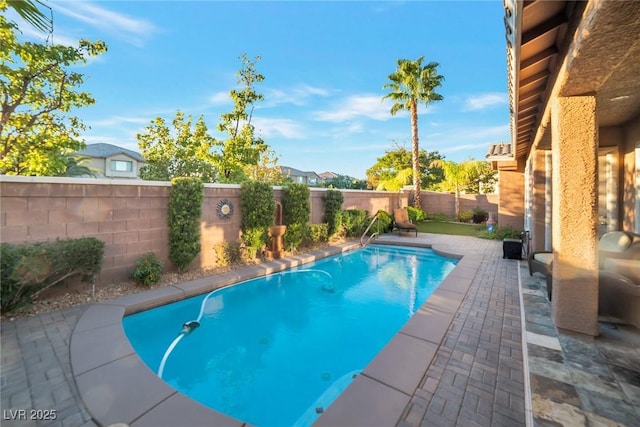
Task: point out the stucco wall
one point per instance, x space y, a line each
630 216
511 210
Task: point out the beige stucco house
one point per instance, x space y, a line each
309 178
112 161
572 170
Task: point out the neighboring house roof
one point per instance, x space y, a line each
103 150
328 175
501 151
297 172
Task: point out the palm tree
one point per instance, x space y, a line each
409 85
396 182
456 175
28 10
76 166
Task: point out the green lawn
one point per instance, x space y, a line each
456 228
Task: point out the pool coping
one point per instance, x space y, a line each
117 387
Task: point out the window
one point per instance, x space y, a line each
121 166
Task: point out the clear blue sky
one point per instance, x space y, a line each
324 65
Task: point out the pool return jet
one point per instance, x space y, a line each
192 325
187 328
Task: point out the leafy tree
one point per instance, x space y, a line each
242 147
470 177
266 170
188 153
409 85
482 177
394 169
456 176
37 92
346 182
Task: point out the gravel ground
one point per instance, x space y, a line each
108 292
83 295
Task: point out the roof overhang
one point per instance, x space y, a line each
570 48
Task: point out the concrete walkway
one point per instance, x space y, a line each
476 377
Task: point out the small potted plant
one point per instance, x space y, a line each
479 215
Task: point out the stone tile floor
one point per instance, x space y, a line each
577 380
476 377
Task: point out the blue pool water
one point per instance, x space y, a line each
274 350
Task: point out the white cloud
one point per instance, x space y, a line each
465 140
120 120
134 31
369 106
220 98
271 127
480 102
296 95
458 134
464 147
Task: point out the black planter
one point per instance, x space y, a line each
477 219
512 249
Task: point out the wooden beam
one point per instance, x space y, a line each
538 57
532 94
536 78
522 106
527 120
543 28
523 117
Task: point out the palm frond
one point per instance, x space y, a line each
29 11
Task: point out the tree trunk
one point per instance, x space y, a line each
415 155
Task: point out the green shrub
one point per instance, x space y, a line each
315 234
294 236
479 211
257 206
228 253
507 232
185 210
385 222
333 200
10 255
486 234
354 222
416 215
254 239
148 270
465 216
28 269
296 208
500 233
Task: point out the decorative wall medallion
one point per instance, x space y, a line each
224 209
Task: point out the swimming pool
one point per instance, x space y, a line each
278 350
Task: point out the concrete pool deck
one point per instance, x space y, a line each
458 361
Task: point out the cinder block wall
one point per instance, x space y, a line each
131 216
445 203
